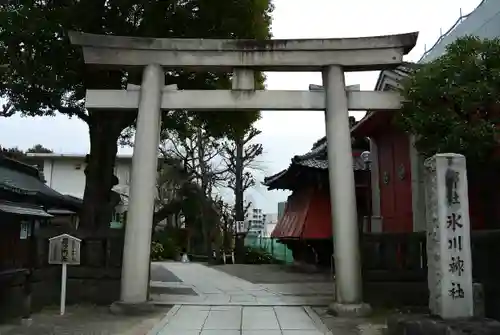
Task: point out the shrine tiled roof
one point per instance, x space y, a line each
316 159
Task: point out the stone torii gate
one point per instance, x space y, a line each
332 57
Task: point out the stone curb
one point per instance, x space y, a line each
317 321
245 304
156 329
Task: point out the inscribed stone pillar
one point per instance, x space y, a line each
135 270
448 237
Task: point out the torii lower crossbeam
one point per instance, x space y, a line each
235 100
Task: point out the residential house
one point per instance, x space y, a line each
26 204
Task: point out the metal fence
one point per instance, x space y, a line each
278 250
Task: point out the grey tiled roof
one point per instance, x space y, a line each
314 163
357 163
23 209
23 179
18 182
314 159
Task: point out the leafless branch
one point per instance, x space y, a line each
7 110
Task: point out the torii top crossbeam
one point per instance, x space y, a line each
353 54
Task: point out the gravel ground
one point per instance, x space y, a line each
374 325
85 320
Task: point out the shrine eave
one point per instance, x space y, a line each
389 80
303 167
297 172
316 159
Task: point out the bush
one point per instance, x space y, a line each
165 249
157 251
256 255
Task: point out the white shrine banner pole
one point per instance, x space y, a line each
64 276
448 237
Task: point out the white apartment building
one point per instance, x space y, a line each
254 220
260 223
66 172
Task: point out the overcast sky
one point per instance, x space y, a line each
284 134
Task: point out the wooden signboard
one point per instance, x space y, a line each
65 250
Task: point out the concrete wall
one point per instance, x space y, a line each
483 22
67 176
281 209
270 223
269 229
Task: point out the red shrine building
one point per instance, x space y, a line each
306 225
391 191
397 169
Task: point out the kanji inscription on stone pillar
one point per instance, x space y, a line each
448 237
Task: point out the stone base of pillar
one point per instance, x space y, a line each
144 308
350 310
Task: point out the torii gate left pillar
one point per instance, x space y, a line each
330 56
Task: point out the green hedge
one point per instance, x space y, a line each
256 255
166 248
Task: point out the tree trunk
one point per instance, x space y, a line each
204 186
238 189
238 199
104 131
171 208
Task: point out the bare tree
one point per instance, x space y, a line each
173 185
200 155
204 171
240 159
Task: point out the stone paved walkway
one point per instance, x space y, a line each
207 302
202 285
211 302
237 320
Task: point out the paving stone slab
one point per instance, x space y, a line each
172 290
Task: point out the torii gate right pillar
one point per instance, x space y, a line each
348 288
